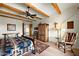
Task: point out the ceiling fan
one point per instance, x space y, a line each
30 15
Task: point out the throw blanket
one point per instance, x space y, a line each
21 44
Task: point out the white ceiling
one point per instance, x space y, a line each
65 6
46 7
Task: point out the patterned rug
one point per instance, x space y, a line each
41 46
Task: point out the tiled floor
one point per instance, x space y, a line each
52 50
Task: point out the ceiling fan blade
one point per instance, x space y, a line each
39 17
30 18
36 17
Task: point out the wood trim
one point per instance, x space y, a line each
12 8
56 7
36 9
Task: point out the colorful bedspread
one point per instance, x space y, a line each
19 46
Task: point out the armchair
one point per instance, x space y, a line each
69 40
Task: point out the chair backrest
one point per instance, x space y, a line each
71 37
74 37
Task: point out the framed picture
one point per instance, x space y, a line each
70 25
11 27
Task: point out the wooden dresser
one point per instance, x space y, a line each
43 32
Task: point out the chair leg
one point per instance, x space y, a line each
72 50
58 45
64 48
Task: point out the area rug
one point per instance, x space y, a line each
41 46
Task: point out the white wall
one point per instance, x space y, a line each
74 18
3 25
69 14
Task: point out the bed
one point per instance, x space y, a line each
16 46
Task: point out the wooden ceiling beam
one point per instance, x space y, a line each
10 17
12 8
8 13
36 9
0 4
15 10
13 17
56 7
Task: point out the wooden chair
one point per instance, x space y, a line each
69 40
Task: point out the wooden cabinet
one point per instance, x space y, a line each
43 32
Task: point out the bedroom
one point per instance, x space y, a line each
54 16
